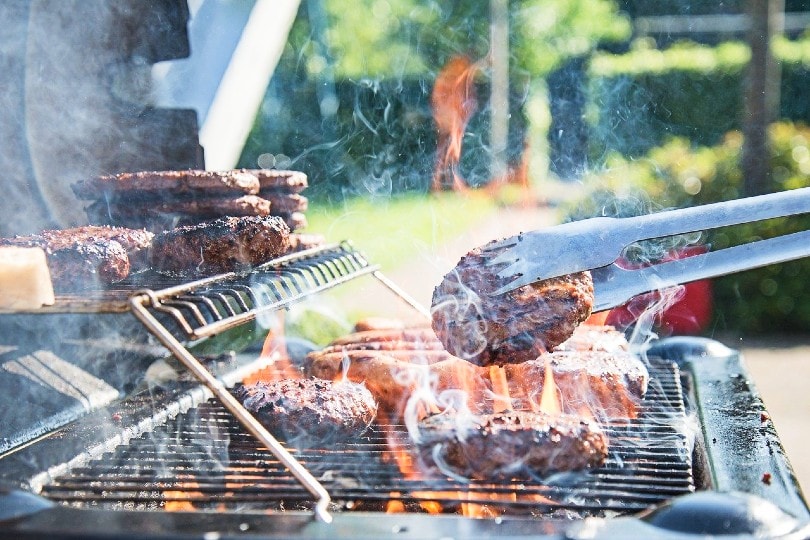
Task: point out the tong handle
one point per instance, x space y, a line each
716 215
614 285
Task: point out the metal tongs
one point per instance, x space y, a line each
595 244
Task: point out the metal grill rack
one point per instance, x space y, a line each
174 467
207 307
183 314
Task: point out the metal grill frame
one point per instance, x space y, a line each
211 306
727 458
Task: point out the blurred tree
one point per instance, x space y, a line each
382 58
390 38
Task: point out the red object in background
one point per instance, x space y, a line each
690 314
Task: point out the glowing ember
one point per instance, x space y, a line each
176 500
395 506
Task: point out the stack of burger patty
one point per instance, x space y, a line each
205 222
187 222
161 200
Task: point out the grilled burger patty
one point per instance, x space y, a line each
220 245
310 408
159 184
510 445
90 256
514 327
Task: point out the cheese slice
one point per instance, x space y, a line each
25 282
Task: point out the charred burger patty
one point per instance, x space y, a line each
220 245
510 445
310 409
514 327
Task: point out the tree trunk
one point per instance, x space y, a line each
766 18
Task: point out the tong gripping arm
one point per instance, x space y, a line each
597 242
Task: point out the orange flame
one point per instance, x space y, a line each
453 101
394 505
176 500
275 348
500 389
550 396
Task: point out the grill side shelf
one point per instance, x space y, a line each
211 306
744 451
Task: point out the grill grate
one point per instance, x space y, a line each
208 307
204 460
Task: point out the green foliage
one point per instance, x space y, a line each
395 38
370 38
412 222
548 31
677 175
643 58
646 96
349 103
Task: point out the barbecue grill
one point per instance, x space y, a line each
117 416
179 458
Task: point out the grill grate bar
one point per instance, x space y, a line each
204 458
210 306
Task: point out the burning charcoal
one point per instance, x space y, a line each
510 328
510 445
310 411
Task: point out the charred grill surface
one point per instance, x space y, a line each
204 460
511 328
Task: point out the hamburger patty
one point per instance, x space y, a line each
90 256
310 409
510 445
606 384
202 207
280 181
159 184
514 327
220 245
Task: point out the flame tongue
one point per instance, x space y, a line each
500 389
550 395
453 101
